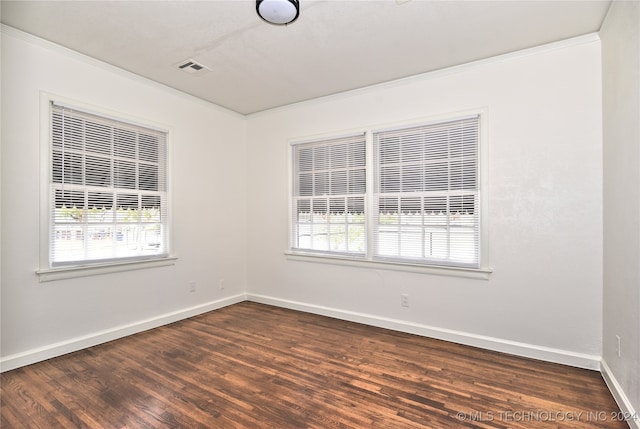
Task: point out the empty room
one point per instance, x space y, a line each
320 213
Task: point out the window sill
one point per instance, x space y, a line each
471 273
53 274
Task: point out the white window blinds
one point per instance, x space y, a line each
426 195
108 189
328 202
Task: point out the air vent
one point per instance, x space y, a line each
193 67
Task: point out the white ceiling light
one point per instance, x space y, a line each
279 12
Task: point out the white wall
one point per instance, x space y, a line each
621 96
544 298
208 182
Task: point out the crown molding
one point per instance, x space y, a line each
78 56
548 47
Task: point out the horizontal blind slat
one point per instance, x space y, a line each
426 200
329 183
108 189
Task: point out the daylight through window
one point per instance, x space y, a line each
426 195
328 201
108 189
421 207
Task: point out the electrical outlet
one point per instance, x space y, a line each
618 346
192 286
221 284
404 300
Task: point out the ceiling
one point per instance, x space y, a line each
334 46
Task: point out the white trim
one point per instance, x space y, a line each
50 274
369 260
328 137
290 175
548 354
102 113
75 55
48 98
483 188
469 273
369 230
430 120
561 44
74 344
435 74
44 179
626 408
53 274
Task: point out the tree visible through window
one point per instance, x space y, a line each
108 189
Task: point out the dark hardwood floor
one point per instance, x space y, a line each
255 366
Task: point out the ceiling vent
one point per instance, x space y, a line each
193 67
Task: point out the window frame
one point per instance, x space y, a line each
396 264
348 140
48 271
404 167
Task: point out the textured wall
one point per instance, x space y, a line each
544 171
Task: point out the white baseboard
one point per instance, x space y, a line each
516 348
548 354
74 344
626 408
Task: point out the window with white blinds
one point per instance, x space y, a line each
328 202
108 190
408 195
426 195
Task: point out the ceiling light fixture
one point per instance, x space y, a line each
278 12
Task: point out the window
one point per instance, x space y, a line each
329 196
107 190
416 201
426 197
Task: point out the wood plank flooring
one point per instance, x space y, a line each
256 366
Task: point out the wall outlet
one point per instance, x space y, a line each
618 345
192 286
221 284
404 300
